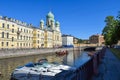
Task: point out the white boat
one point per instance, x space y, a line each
43 71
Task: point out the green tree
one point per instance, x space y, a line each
118 26
109 31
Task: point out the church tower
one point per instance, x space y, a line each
57 26
41 24
50 20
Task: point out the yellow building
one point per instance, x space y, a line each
38 38
8 36
17 34
24 36
48 39
53 36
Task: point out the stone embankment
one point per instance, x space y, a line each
7 53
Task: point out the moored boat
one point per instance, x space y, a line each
42 71
62 52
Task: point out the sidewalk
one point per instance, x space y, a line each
109 69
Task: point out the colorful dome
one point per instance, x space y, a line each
50 15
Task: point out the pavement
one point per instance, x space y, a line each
109 69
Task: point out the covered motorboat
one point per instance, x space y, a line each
43 71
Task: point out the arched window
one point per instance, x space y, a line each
7 35
3 25
12 39
7 26
2 34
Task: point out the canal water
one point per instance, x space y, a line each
73 58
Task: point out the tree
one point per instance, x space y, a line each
118 26
109 31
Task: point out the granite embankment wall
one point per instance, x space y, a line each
25 52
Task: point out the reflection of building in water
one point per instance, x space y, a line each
72 57
69 58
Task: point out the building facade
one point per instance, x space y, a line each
53 37
67 41
38 38
97 39
17 34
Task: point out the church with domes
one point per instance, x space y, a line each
18 34
51 24
52 31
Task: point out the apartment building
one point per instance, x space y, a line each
17 34
97 39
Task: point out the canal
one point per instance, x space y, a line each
73 58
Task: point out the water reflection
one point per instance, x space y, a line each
76 59
8 65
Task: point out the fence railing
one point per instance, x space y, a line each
90 68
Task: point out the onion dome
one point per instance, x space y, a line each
50 15
41 21
57 23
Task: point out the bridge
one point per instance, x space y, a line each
89 48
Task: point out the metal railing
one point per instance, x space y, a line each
90 68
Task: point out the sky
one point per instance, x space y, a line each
79 18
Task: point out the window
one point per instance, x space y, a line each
3 25
21 37
12 30
7 43
12 39
7 35
21 44
12 25
2 34
24 30
2 43
17 44
38 41
17 36
7 26
24 44
24 37
38 35
18 29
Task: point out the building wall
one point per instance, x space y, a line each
24 37
67 41
48 39
17 34
38 38
8 37
57 40
97 39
